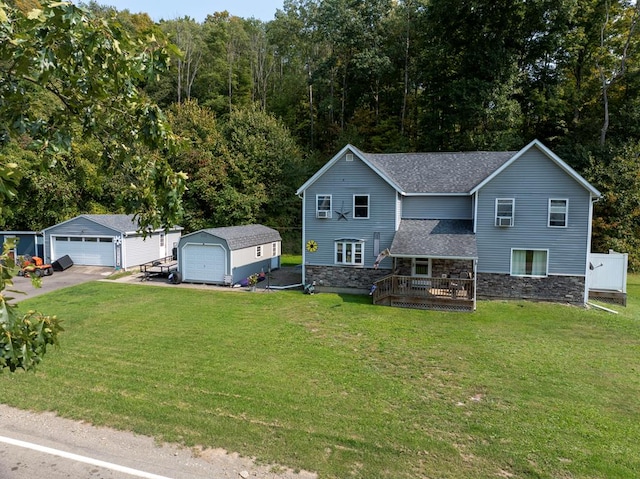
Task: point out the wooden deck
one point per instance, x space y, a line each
444 294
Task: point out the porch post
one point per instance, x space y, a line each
475 282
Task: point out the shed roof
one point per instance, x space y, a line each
435 239
238 237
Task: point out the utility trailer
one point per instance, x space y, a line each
162 267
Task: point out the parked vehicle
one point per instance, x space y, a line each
34 265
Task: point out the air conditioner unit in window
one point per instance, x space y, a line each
504 221
323 214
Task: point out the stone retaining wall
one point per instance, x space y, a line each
568 289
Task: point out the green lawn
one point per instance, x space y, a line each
331 384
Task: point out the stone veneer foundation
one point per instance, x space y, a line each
569 289
566 289
339 278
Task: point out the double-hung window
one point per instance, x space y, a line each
323 206
504 211
349 252
558 212
259 251
361 206
529 262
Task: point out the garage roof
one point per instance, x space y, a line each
121 223
238 237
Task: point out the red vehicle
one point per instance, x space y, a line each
34 265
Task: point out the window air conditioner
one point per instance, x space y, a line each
504 221
322 214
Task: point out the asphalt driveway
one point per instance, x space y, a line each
59 279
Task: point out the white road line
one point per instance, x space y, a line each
78 458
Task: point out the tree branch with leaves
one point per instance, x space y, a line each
90 69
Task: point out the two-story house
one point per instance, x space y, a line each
438 230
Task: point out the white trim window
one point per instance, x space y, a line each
558 213
350 252
421 267
274 249
504 211
361 207
259 251
323 206
529 262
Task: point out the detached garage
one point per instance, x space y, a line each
107 240
228 255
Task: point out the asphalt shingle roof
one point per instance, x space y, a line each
438 172
435 238
121 223
238 237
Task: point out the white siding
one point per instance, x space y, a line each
246 256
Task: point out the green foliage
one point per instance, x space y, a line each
88 70
269 161
23 337
242 169
617 214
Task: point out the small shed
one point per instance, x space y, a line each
27 242
107 240
228 255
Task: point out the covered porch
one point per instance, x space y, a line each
433 267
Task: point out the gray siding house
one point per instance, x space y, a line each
228 255
438 230
107 240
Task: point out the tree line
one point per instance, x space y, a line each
259 106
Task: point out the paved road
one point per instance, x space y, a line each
35 445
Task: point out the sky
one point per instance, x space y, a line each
198 9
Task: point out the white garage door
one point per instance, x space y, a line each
204 263
84 250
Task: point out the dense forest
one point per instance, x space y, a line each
259 106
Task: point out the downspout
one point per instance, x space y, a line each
586 266
475 212
304 236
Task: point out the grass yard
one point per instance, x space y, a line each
331 384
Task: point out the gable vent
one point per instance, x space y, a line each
349 156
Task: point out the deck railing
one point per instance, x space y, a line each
427 293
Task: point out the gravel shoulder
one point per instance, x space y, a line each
129 450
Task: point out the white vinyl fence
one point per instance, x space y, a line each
608 272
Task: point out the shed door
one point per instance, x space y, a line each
84 250
204 263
